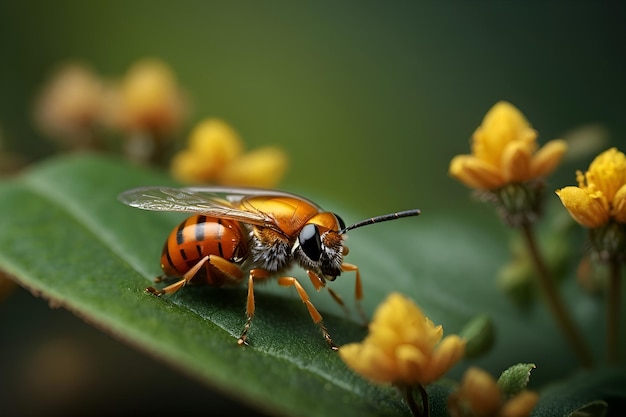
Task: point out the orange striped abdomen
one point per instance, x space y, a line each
197 237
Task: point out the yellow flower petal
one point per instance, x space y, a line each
516 162
383 336
262 167
590 210
521 405
215 136
502 124
607 172
480 390
410 362
475 173
447 353
619 205
216 144
70 104
151 99
186 167
547 158
369 361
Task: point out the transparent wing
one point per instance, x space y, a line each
236 194
211 201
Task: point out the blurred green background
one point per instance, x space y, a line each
371 100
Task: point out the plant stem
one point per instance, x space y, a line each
613 308
424 395
416 410
554 301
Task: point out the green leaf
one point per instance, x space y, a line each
479 336
586 391
67 238
515 378
593 409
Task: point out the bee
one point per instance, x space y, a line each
261 233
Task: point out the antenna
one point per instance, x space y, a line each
383 218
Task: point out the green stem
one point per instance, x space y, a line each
554 301
613 308
416 410
425 405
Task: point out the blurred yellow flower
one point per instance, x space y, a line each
213 144
148 100
601 191
215 155
504 151
403 346
480 396
69 106
263 167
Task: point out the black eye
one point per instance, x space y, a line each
310 242
342 224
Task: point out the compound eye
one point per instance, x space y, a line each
342 224
310 242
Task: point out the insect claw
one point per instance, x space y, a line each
154 291
242 341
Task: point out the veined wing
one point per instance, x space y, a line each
211 201
236 194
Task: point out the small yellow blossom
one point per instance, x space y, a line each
601 191
148 100
504 151
480 396
403 346
70 105
215 155
520 405
213 144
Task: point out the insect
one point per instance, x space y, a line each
234 231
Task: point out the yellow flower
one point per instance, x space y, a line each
601 191
504 151
480 396
403 346
213 144
149 100
215 155
70 105
263 167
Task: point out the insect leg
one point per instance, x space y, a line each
358 289
319 283
339 301
232 271
315 315
254 274
170 289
